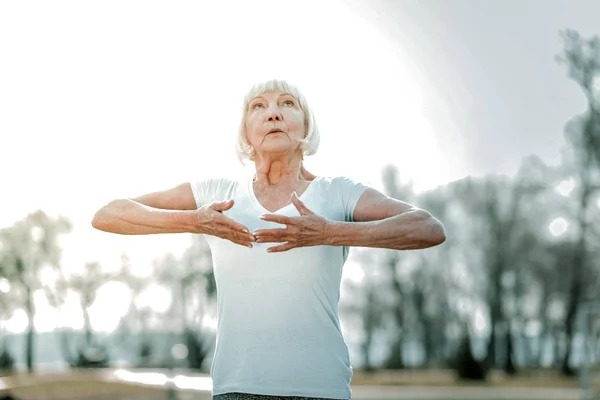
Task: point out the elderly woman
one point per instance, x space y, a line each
278 240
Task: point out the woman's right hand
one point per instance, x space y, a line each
212 222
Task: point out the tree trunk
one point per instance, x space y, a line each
30 338
65 348
574 298
509 363
87 327
495 315
395 359
429 342
366 353
370 322
577 277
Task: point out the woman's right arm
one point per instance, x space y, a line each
170 211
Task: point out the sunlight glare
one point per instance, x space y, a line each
48 275
71 315
4 285
146 378
18 322
210 322
558 226
183 382
45 316
111 304
353 271
179 351
156 297
479 322
565 187
201 383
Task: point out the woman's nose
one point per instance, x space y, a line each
274 114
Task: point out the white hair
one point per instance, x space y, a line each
309 144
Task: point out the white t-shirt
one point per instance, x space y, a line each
278 329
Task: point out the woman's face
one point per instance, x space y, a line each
275 123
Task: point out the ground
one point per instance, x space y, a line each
112 384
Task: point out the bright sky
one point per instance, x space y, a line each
110 99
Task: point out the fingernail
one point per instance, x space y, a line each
262 216
249 245
246 230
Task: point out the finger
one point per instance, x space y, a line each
241 238
222 205
280 219
236 226
229 224
244 243
280 248
269 232
229 227
273 238
302 209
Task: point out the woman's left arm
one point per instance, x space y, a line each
384 222
379 221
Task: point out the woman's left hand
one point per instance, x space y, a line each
309 229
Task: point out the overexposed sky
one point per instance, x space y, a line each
115 99
110 99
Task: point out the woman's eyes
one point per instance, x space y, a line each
288 103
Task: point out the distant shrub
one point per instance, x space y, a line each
92 357
466 365
7 362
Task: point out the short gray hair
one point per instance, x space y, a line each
309 144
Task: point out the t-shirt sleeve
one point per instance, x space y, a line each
349 192
210 190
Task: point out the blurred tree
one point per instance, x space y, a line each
192 283
582 58
7 361
419 284
28 246
135 326
84 286
371 320
364 306
498 217
537 275
432 281
392 258
467 366
8 303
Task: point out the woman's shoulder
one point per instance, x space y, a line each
206 190
218 181
339 180
215 184
341 185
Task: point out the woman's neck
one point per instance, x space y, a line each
278 170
